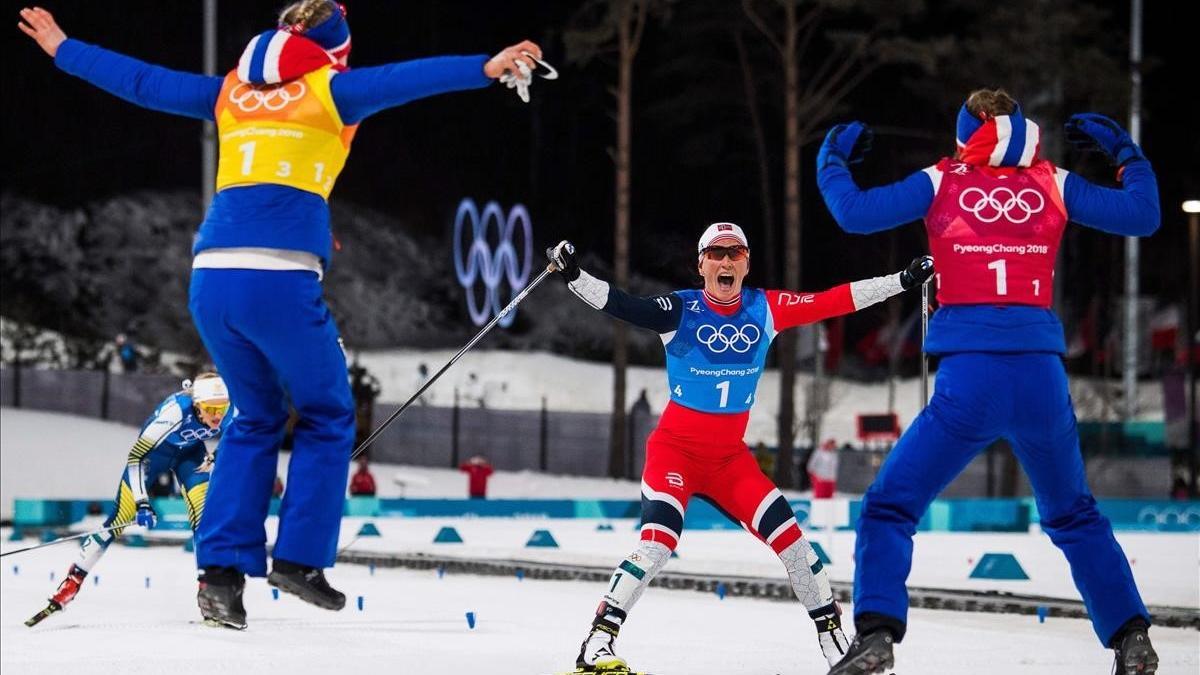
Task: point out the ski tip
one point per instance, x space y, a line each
43 615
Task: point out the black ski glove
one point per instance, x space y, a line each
917 272
563 258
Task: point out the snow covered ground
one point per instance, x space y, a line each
414 622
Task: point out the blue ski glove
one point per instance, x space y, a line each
1090 131
146 517
845 144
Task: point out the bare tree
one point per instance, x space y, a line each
815 83
600 27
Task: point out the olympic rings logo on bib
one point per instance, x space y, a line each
728 337
479 261
249 98
1001 202
198 434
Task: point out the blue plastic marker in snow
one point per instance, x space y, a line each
360 603
147 582
520 574
371 567
720 591
471 620
96 580
16 569
441 572
1042 612
274 593
51 575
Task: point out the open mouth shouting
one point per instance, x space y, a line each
725 282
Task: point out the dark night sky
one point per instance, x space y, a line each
67 143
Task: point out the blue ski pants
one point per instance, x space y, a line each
978 398
274 341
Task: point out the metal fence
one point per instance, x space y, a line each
573 443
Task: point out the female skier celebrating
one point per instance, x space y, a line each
716 341
285 116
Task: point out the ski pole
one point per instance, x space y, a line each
924 331
504 312
70 538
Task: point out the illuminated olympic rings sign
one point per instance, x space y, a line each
477 261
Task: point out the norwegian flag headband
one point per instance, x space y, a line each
283 54
1003 140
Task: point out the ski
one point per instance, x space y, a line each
41 616
608 671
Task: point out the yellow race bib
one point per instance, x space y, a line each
284 134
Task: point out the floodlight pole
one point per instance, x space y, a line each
1130 370
208 138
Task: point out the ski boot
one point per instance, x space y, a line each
306 583
66 592
829 632
220 597
1134 653
596 654
869 653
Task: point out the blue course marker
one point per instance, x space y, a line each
147 582
360 603
16 569
1042 612
471 620
720 591
96 580
441 572
274 593
371 567
520 574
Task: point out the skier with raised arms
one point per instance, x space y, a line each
994 215
286 116
716 341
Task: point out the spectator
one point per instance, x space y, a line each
1179 489
127 352
364 388
362 484
641 407
822 470
478 470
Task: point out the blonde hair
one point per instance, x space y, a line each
988 103
306 13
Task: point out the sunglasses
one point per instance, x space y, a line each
213 408
719 253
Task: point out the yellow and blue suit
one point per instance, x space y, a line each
171 439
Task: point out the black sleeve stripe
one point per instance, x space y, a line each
659 313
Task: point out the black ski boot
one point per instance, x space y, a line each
1135 654
306 583
220 597
868 653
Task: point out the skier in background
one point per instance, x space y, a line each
994 215
286 116
716 341
171 440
